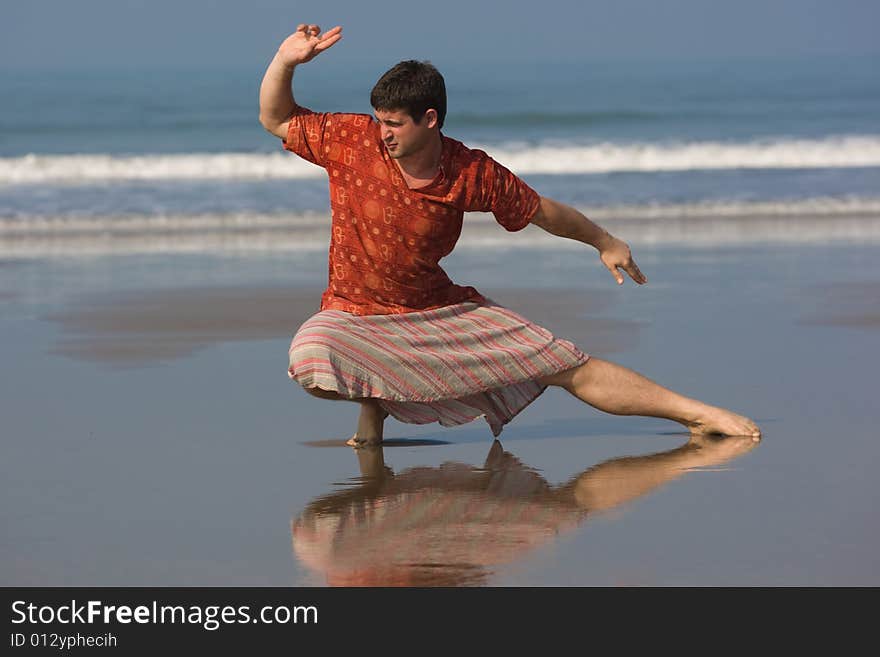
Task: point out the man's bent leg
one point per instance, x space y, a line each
371 421
371 424
618 390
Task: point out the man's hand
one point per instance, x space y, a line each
615 255
277 104
307 43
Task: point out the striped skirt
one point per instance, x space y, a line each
450 365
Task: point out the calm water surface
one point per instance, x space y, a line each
209 468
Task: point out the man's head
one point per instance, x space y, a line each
410 105
412 87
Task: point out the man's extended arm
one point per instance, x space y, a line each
565 221
276 94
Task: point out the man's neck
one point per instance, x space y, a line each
424 164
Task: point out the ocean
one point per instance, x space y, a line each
688 153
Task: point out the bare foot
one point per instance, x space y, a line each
716 420
371 425
714 450
357 443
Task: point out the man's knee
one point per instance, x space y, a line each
562 379
568 379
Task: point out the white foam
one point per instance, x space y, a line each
830 152
818 206
90 169
545 158
812 221
242 222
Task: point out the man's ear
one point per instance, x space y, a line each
431 117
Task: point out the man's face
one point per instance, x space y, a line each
401 135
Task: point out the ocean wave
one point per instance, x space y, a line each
829 152
816 220
242 222
531 119
91 169
522 158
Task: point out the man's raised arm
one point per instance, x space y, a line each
276 93
564 221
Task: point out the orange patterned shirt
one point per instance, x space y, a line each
387 239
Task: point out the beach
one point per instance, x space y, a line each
152 436
159 249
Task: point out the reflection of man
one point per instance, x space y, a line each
394 333
448 526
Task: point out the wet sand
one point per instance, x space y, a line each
848 305
152 437
134 328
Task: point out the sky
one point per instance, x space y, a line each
40 35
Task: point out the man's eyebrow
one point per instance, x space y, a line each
390 121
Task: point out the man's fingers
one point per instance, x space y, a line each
329 38
614 272
636 273
630 268
331 32
323 45
617 257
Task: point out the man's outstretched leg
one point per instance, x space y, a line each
618 390
371 421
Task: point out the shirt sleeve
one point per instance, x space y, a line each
502 193
308 136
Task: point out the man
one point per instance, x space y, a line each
394 333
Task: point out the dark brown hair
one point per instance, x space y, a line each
411 86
